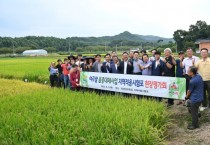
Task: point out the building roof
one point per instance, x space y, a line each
35 52
202 41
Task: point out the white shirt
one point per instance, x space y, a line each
125 67
187 62
152 58
108 63
79 63
99 67
157 62
116 66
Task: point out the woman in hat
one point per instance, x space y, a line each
70 57
90 61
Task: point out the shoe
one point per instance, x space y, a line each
169 105
179 103
199 115
202 108
192 127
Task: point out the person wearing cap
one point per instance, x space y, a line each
60 72
125 66
203 66
53 74
75 78
79 60
169 68
97 64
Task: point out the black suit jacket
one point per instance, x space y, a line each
105 68
113 69
129 68
157 71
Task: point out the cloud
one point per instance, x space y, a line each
64 18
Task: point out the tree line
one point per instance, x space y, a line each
123 41
184 39
53 44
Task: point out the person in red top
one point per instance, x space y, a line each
65 68
75 78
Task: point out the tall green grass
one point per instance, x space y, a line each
37 114
34 69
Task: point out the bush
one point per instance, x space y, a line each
5 50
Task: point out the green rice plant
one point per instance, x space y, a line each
36 114
34 69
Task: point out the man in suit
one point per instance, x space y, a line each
96 67
114 65
105 68
125 67
97 64
157 65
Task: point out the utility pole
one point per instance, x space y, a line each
116 49
105 46
141 45
69 45
13 48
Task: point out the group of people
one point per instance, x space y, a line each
195 70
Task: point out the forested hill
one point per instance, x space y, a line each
135 37
40 42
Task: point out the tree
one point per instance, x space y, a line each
50 49
186 39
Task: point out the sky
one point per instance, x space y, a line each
84 18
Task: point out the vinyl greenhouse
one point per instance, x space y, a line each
38 52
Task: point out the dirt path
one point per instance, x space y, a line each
180 135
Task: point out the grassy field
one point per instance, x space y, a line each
34 69
32 113
31 68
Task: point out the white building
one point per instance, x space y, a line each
37 52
